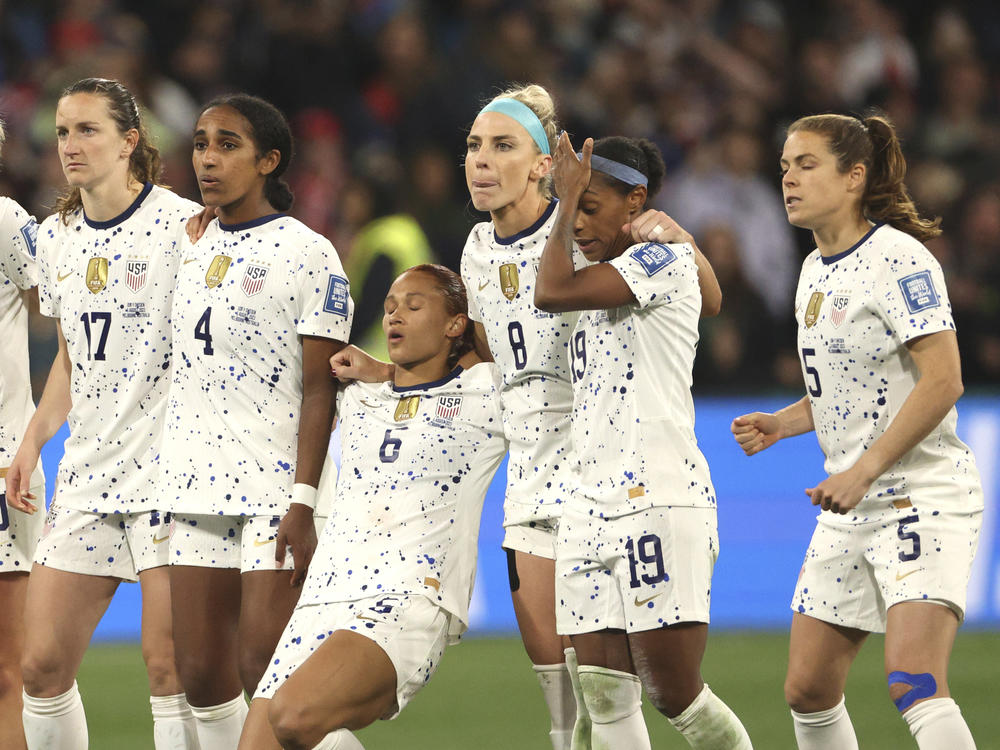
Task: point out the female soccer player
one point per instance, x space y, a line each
391 581
903 503
19 532
507 168
261 305
637 539
107 264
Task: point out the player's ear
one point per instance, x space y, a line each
456 326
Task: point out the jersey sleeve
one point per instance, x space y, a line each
470 283
911 293
324 293
48 291
18 233
658 274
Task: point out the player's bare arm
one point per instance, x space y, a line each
937 390
352 363
759 430
48 418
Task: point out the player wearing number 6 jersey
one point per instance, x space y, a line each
107 265
902 505
261 305
390 585
637 540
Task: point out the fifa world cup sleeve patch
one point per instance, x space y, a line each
653 257
336 296
919 292
30 233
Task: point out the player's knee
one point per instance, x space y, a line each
253 665
806 697
906 688
671 697
162 673
297 725
10 680
44 676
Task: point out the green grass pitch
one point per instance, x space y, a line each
485 696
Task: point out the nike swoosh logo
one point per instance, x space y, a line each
161 540
639 602
191 260
370 406
60 277
900 577
483 286
258 543
362 617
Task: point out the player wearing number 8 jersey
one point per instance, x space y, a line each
107 265
902 504
637 540
261 305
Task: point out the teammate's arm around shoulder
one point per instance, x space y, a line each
352 363
319 404
759 430
47 419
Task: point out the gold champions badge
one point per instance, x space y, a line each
508 280
812 309
97 274
217 270
407 408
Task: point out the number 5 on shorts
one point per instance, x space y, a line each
912 536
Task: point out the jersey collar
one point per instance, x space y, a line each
530 230
146 190
829 260
425 386
249 224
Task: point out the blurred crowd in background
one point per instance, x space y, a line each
380 94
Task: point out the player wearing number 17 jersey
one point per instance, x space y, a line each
107 264
902 504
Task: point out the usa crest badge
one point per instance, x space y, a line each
508 280
407 408
448 407
135 274
812 309
838 303
253 279
97 274
217 270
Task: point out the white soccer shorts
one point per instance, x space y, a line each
116 545
854 572
637 572
19 532
412 630
242 542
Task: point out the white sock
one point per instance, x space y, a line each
219 727
825 730
937 724
342 739
709 724
57 723
582 728
173 723
558 692
614 703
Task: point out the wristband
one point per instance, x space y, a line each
304 494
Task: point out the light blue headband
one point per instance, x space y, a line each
616 169
524 116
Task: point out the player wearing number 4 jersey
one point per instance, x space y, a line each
637 540
393 574
261 305
902 505
107 264
18 531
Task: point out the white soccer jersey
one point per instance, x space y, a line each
529 347
110 284
17 274
633 414
415 468
245 295
856 311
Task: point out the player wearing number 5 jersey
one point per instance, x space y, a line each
261 305
107 265
637 540
902 505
